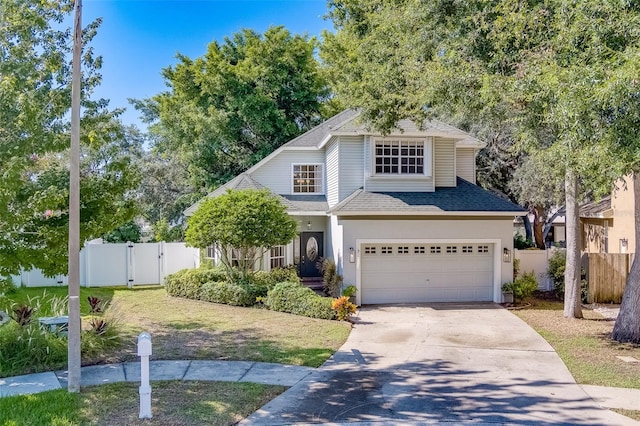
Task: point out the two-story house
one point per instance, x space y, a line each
400 214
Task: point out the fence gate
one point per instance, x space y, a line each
607 276
144 263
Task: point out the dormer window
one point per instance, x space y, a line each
402 157
307 179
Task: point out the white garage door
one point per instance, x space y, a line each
412 273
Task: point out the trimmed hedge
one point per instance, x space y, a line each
211 285
296 299
188 283
227 293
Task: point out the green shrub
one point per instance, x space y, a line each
288 274
30 349
296 299
227 293
260 282
103 335
523 286
557 265
188 283
521 243
7 286
350 291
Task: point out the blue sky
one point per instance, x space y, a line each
140 37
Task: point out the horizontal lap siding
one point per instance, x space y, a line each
466 164
333 173
351 165
445 158
276 173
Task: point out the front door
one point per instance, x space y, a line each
311 251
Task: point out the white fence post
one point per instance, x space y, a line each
130 263
144 352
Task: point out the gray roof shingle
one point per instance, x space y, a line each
465 197
314 136
294 203
305 203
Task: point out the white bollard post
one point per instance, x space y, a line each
144 352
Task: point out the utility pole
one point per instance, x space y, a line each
73 348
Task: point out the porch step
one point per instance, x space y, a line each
314 283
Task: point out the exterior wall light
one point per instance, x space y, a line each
506 255
308 224
352 255
624 245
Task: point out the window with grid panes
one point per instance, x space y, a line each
307 178
399 157
277 257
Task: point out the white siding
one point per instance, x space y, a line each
334 248
351 165
466 164
332 172
445 162
276 173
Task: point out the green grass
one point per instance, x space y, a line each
584 345
23 294
189 329
633 414
173 403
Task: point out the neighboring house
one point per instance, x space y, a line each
556 237
608 225
400 214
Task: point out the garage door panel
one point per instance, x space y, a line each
446 272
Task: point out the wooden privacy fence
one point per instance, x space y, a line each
607 276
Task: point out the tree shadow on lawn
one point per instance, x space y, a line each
193 342
431 391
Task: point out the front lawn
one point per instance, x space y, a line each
584 344
173 403
189 329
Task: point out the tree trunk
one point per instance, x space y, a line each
572 299
627 327
538 225
528 233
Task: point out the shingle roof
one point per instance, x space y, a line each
316 135
404 126
595 209
242 181
465 197
347 122
305 203
294 203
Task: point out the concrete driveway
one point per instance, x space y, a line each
474 363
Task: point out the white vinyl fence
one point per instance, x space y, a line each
121 264
538 262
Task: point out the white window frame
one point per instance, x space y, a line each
281 257
322 178
427 161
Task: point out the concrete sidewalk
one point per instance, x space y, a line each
223 371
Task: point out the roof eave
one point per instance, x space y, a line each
307 213
427 213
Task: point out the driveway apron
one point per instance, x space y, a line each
472 363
